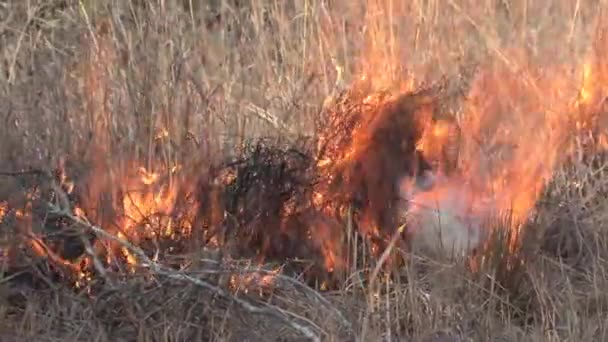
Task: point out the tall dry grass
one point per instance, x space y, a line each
186 81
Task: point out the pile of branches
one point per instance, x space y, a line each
51 204
277 203
268 203
27 224
265 205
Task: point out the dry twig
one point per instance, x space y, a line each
272 311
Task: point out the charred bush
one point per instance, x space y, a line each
269 184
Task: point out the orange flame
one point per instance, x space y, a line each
515 130
3 210
514 137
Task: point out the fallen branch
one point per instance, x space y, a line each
288 280
271 311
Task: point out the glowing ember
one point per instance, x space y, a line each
3 210
255 281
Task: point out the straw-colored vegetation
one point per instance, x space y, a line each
185 82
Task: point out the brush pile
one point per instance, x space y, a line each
307 204
315 210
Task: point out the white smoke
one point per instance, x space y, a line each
443 216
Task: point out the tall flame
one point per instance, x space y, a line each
495 156
517 128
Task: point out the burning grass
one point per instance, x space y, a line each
148 197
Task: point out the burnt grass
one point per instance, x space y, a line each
90 91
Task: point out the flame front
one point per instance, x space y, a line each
516 129
518 123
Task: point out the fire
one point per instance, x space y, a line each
586 93
492 157
151 208
513 139
380 65
3 210
142 204
257 280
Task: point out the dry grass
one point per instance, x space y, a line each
78 75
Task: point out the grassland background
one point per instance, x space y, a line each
76 75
